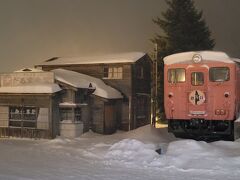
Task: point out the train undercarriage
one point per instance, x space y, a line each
200 129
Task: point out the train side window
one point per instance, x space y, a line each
219 74
197 78
176 75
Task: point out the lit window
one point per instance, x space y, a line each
113 72
219 74
176 75
197 78
23 116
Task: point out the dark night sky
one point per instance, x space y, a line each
34 30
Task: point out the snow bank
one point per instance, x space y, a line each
131 151
149 134
191 154
123 155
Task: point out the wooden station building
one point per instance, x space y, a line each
129 73
69 96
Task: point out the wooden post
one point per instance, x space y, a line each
130 112
154 86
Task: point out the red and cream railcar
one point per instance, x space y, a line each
201 94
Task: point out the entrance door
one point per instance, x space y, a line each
110 120
197 91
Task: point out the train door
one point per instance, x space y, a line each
197 91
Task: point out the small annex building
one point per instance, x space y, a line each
86 103
28 104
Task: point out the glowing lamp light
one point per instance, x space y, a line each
197 58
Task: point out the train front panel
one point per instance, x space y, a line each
200 98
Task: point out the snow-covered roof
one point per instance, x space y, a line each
29 70
31 89
236 60
71 104
129 57
79 80
206 55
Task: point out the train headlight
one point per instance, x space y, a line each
217 112
197 58
222 112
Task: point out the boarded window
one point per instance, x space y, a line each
42 120
4 116
140 73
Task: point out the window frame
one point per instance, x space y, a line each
140 72
195 80
113 72
78 115
175 76
141 111
210 72
65 113
23 119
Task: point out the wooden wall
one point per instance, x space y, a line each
96 70
141 90
48 113
97 115
130 85
55 115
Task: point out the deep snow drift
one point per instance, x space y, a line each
124 155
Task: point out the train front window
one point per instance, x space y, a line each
219 74
176 75
197 78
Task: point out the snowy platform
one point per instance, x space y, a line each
124 155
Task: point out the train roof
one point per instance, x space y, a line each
205 55
236 60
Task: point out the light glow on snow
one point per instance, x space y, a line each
121 156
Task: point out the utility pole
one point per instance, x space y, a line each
154 87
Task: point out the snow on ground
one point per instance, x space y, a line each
124 155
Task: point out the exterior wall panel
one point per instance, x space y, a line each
4 116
